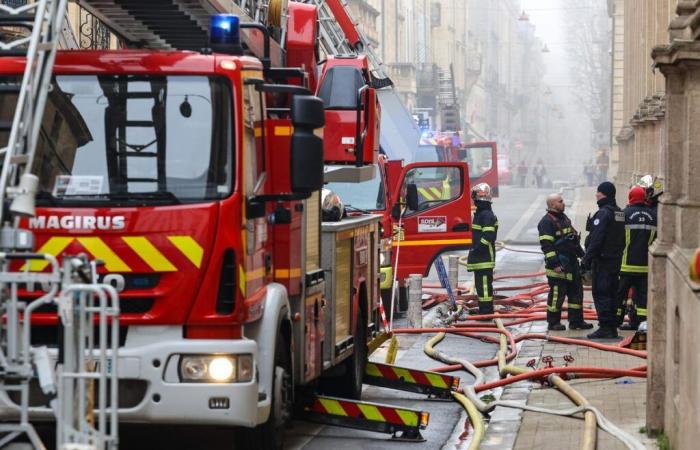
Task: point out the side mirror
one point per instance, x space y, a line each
396 211
307 112
306 150
412 196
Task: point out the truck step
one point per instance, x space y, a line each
402 423
410 380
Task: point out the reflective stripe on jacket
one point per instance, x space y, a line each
484 232
640 232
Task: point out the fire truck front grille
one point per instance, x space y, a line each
127 305
131 393
48 335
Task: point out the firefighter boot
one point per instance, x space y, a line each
485 307
553 321
580 325
604 333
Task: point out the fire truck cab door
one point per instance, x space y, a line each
482 158
441 220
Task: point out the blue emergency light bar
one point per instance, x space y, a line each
225 34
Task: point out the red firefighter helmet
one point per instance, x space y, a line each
481 191
637 195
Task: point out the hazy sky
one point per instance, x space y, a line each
569 136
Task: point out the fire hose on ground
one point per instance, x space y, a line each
529 311
471 401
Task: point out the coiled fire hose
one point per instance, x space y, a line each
472 403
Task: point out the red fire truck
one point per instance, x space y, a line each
436 218
195 177
482 157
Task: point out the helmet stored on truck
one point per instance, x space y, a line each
332 208
482 192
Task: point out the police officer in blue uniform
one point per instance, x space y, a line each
604 247
482 256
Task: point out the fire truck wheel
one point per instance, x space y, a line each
351 382
270 435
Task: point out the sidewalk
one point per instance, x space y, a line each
622 401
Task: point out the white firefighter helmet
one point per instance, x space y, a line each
653 186
332 208
481 191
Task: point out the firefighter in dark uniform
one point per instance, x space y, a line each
653 188
604 246
561 245
482 256
640 232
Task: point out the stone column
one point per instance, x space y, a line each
673 397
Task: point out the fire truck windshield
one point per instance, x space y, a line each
109 139
366 196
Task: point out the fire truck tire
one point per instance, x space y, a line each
270 435
350 384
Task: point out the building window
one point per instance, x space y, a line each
435 14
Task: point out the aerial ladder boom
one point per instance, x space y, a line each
340 35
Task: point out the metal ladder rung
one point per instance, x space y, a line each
139 123
10 88
141 180
19 159
136 95
138 154
16 19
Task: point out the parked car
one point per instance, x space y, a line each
505 175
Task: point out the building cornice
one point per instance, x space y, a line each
676 53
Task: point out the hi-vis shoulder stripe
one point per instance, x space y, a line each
143 247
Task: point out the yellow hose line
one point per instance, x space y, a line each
475 418
377 341
590 427
274 13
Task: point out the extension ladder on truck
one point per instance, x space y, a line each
339 34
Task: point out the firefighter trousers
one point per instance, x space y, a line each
604 288
559 289
638 284
483 282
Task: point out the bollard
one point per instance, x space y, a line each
415 300
453 272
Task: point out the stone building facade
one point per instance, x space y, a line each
661 136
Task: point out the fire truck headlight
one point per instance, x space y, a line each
222 368
193 368
216 368
245 368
